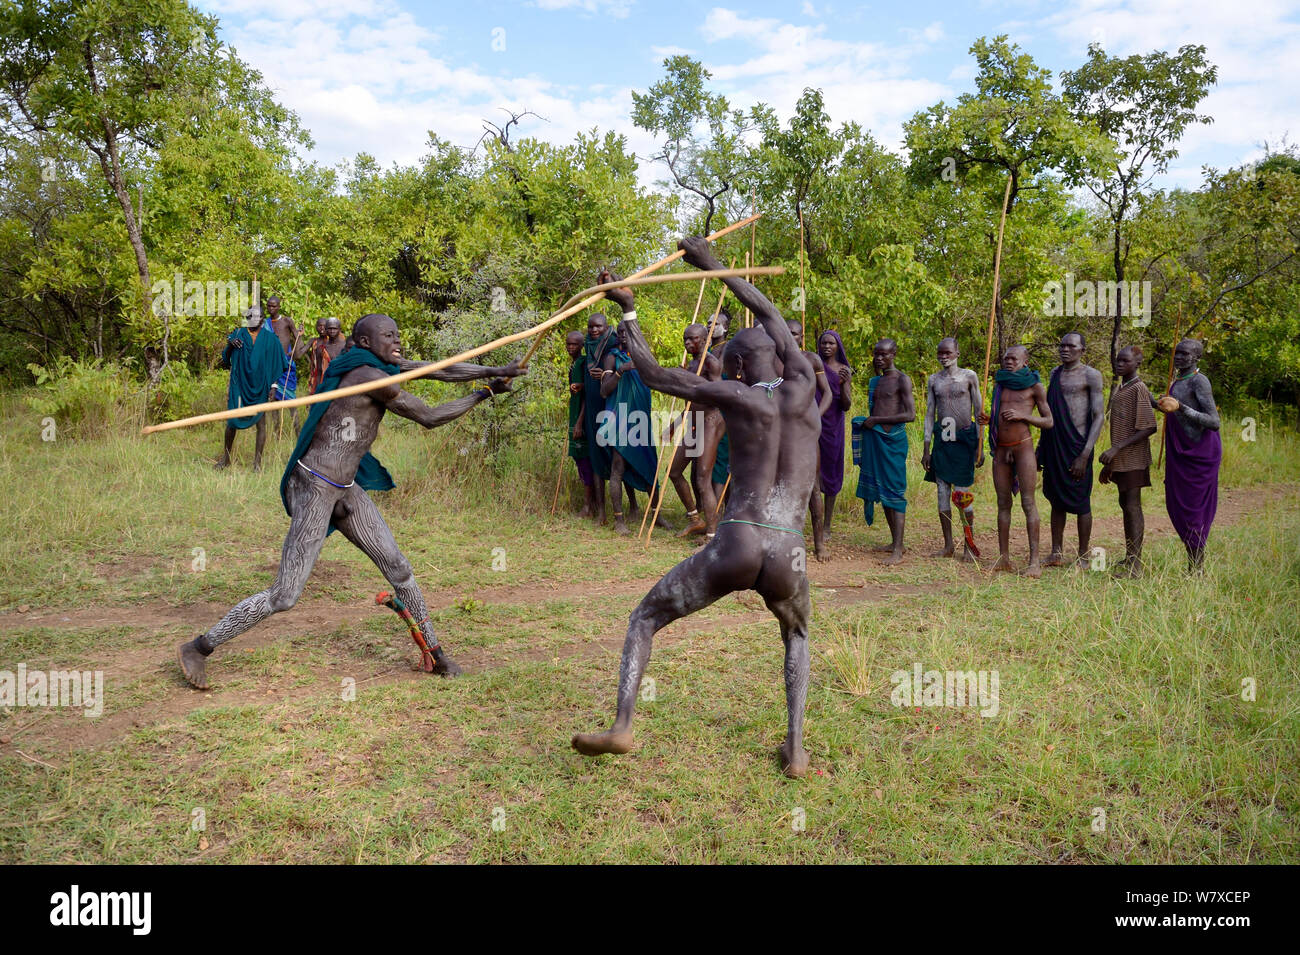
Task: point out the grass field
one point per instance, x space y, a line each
1124 730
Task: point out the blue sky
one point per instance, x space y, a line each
377 75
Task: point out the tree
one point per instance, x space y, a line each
1144 103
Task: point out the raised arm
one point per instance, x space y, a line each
700 254
670 381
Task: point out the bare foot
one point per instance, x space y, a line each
967 556
1128 567
611 741
662 523
697 526
194 664
882 548
586 511
1033 570
895 558
794 761
1054 560
822 554
223 462
1083 563
946 552
443 665
1003 564
257 465
620 526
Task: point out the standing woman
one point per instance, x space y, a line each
1194 451
831 444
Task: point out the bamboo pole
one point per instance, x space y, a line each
645 515
428 369
666 260
680 432
997 276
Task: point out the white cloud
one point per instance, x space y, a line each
619 9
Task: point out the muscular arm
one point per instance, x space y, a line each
787 349
1204 396
677 381
824 402
931 409
409 406
463 370
1043 420
1096 410
608 382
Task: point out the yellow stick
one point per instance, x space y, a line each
681 432
666 260
423 370
723 494
997 274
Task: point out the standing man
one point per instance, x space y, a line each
600 341
831 443
703 433
880 441
287 387
816 507
577 436
1076 398
324 488
952 402
1193 451
323 350
1127 462
1017 394
767 399
722 454
626 430
255 361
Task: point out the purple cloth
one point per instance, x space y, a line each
1192 482
585 472
831 441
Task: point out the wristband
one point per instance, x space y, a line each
485 392
629 316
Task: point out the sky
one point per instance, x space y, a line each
377 76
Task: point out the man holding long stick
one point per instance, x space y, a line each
324 486
767 401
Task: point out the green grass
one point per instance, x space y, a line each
1123 696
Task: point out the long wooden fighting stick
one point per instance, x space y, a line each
997 277
430 368
672 410
588 302
803 298
680 433
559 476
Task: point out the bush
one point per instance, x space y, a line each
87 397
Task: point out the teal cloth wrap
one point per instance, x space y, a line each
628 429
882 460
371 475
254 368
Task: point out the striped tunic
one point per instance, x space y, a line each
1130 412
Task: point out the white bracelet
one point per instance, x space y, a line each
629 316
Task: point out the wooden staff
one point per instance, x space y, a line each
671 406
717 509
997 275
428 369
803 297
666 260
680 432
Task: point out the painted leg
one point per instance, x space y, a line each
312 507
364 526
793 615
690 586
